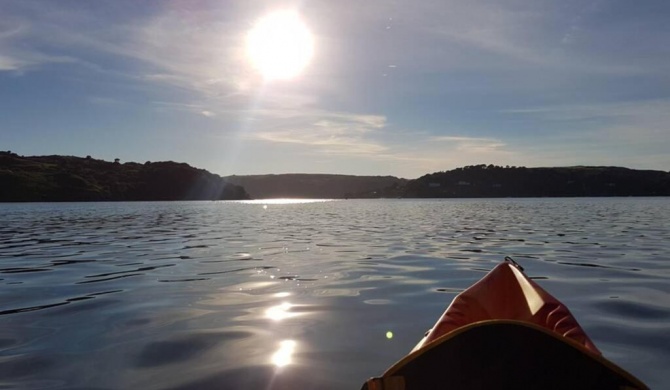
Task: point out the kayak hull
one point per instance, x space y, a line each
506 293
505 332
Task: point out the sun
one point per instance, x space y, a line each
280 45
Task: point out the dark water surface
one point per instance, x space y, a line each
249 295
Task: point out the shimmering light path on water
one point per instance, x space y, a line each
305 295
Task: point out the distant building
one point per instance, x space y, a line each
463 183
433 185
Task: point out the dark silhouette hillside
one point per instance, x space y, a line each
67 178
496 181
314 185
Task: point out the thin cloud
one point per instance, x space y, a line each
623 133
331 133
13 63
104 101
636 110
190 49
16 60
17 37
472 144
195 108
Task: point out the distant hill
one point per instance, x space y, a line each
496 181
67 178
315 185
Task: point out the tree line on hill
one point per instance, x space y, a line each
497 181
68 178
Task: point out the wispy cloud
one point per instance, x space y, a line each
623 133
189 48
503 36
15 52
195 108
13 63
18 35
104 101
20 61
331 133
471 144
659 109
361 137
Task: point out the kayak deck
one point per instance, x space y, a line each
506 293
505 332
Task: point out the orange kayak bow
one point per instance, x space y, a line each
505 332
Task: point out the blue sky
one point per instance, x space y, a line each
395 87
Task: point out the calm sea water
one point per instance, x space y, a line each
319 295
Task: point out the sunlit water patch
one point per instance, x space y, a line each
303 293
281 201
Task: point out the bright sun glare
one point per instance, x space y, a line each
280 45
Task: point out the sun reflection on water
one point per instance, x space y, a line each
280 201
284 355
279 312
